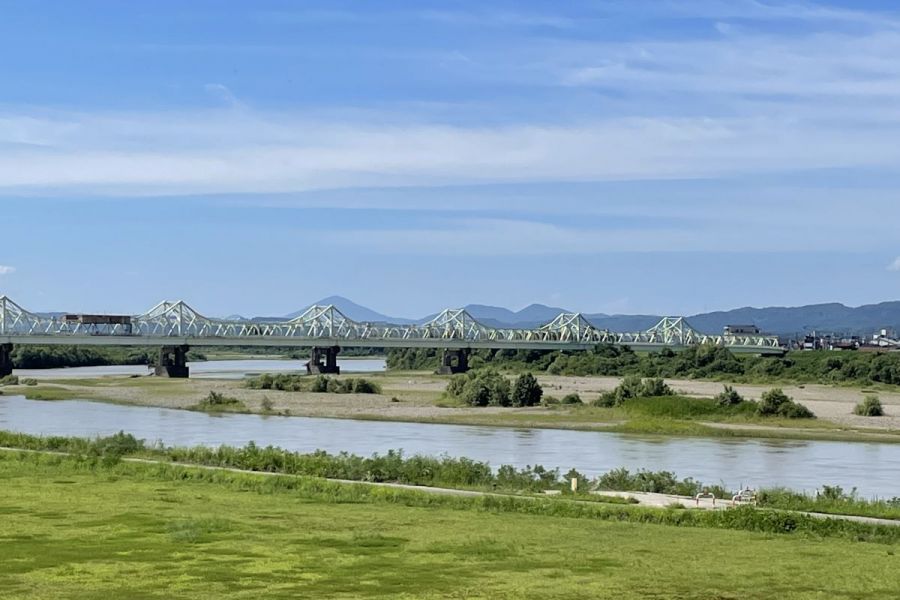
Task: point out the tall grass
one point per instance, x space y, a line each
393 466
831 500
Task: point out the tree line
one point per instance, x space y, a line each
696 362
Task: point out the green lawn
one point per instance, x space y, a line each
76 530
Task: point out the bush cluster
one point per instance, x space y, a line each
633 386
218 401
488 387
657 482
775 403
320 384
572 398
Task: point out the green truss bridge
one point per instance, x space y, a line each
175 326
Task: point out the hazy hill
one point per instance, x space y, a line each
530 316
824 318
352 310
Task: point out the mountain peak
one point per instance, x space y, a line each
351 310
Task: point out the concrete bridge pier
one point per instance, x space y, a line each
6 359
172 362
454 361
316 366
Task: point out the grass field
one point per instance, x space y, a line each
77 529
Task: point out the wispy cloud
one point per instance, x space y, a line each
7 270
894 266
238 151
517 237
740 101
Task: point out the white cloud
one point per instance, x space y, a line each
240 151
894 266
7 270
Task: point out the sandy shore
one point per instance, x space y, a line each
418 396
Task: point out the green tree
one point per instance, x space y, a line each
527 391
486 387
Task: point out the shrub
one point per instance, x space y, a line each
549 400
633 386
319 385
728 397
869 407
527 391
9 380
654 387
118 445
775 403
480 388
216 401
571 399
364 386
794 410
658 482
267 405
456 385
28 381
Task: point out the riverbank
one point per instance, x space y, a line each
419 397
83 527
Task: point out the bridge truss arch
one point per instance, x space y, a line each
176 322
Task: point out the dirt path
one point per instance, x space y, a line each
668 500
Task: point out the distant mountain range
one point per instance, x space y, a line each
830 318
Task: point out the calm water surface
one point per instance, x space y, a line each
804 465
219 369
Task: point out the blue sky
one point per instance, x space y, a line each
621 156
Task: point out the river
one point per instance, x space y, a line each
802 465
218 369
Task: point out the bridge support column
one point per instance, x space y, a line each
454 361
172 362
316 366
6 359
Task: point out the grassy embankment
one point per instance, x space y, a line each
85 528
453 474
